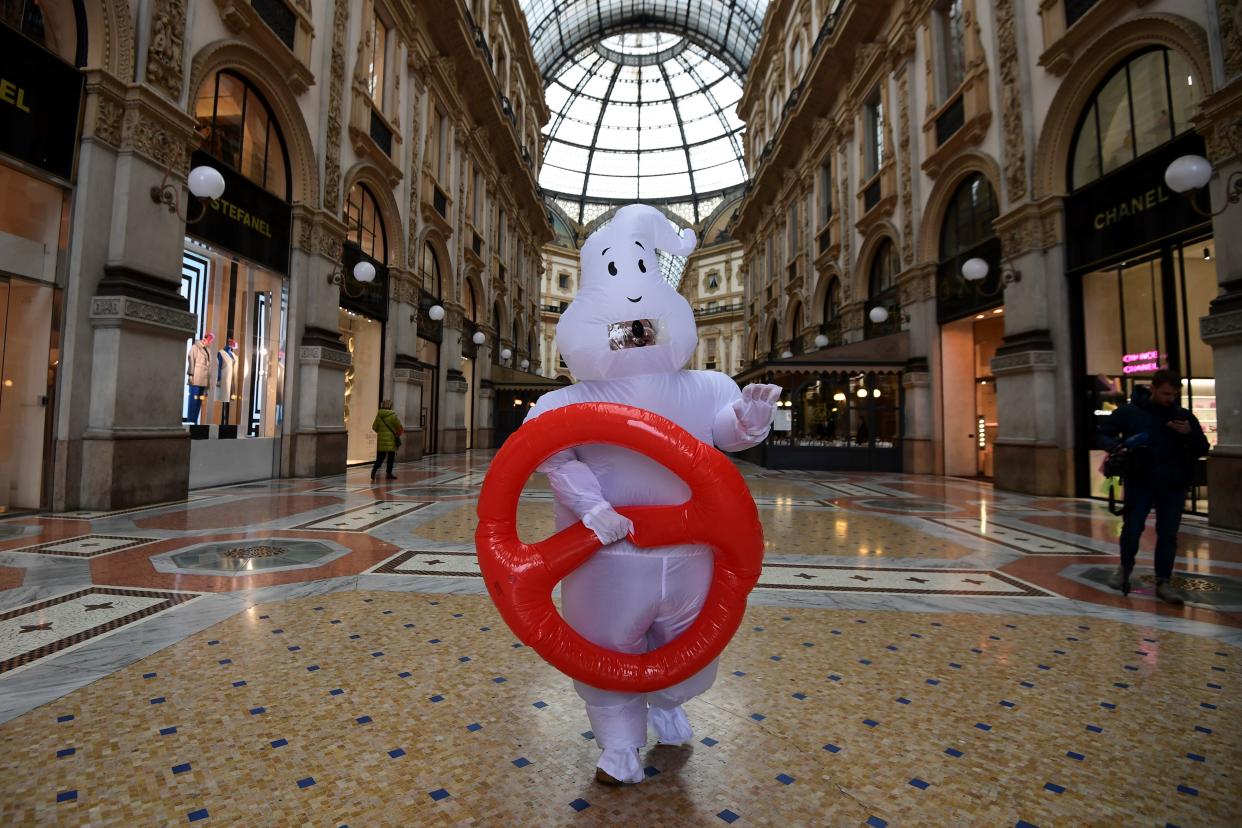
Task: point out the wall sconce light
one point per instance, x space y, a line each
364 273
839 396
786 354
862 392
879 315
976 270
525 364
436 312
821 341
1191 173
205 183
505 353
479 338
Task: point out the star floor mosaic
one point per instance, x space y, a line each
84 546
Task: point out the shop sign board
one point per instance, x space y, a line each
369 299
1141 362
40 104
247 219
1131 208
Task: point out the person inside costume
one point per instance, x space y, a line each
626 337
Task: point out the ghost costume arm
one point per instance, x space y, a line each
745 418
577 489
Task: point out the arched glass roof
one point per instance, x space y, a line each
643 96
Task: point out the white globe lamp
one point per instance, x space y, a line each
974 270
1190 172
821 341
436 312
479 338
879 314
364 272
786 354
525 364
206 182
505 353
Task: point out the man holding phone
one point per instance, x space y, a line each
1161 471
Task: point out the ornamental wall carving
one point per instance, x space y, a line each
1229 14
165 54
113 311
336 94
1011 100
903 156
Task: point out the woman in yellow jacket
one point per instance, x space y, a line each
388 431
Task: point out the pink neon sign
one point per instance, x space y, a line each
1141 362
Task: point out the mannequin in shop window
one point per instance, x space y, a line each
198 374
226 373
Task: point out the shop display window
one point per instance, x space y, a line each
843 410
241 305
1138 318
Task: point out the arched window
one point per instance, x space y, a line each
1144 102
238 128
471 305
832 300
431 270
364 224
52 24
882 290
967 233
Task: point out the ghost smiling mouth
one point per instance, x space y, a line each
634 333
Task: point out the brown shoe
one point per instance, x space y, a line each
605 779
1168 593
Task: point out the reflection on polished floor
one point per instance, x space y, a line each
919 651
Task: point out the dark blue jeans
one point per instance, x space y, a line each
1168 502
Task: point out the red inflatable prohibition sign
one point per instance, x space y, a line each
520 576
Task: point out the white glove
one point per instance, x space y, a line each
757 406
607 525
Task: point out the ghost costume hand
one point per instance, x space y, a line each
746 420
607 525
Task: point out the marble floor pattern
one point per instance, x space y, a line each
920 651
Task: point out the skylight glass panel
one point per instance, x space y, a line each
615 163
663 163
612 187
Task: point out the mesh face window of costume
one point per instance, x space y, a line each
627 319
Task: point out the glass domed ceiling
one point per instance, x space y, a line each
643 96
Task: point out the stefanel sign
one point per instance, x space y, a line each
40 104
247 219
1130 208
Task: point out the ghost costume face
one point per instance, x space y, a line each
626 337
626 320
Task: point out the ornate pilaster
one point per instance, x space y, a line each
336 94
164 55
903 159
1229 15
1011 101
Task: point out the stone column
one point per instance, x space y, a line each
315 429
1221 125
917 300
119 438
1034 449
408 373
453 382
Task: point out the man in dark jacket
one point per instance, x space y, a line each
1167 441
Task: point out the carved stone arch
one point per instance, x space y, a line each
821 290
858 286
110 38
259 70
439 244
364 172
1112 47
954 173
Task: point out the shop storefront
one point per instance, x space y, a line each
40 105
362 318
840 408
971 328
1140 257
235 276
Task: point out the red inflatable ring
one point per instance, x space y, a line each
521 576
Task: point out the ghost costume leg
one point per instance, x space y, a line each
633 601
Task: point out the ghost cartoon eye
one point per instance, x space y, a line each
612 268
642 265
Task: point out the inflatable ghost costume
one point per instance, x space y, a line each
626 338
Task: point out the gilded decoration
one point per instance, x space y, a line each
164 55
336 82
1011 101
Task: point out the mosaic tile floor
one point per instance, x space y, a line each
920 651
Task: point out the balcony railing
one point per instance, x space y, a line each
380 133
476 244
871 195
713 310
440 201
279 18
506 109
480 39
950 120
